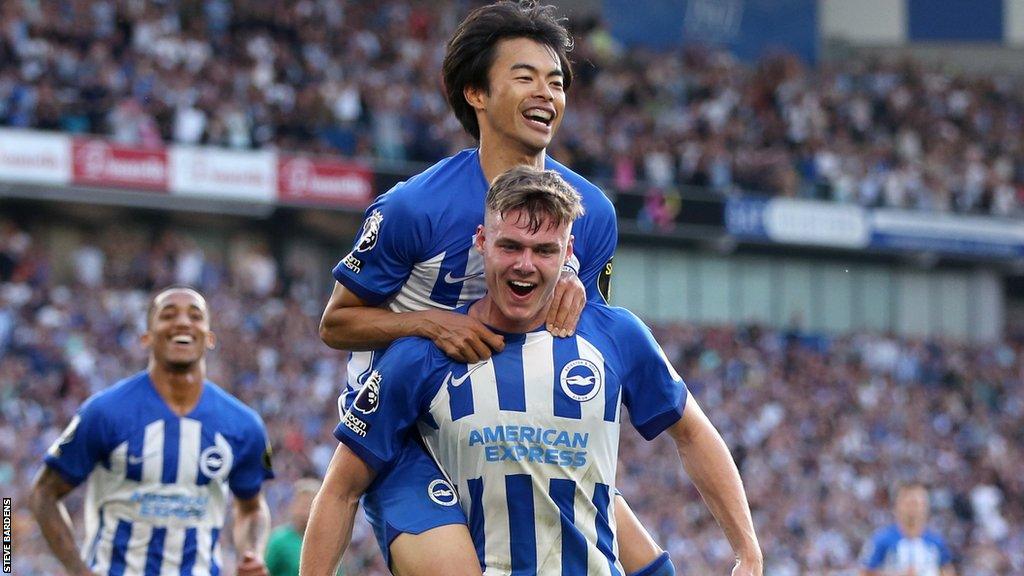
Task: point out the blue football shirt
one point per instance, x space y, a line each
415 250
890 549
157 483
529 437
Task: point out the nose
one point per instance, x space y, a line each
544 91
524 262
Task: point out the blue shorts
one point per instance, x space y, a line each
410 496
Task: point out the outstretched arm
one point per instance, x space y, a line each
350 323
334 510
252 524
46 503
710 465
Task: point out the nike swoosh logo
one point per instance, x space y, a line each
134 460
455 382
456 279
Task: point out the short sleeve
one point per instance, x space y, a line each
389 243
255 463
391 400
597 235
653 391
85 442
873 555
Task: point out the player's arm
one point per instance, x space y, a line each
351 323
334 510
710 465
252 525
46 503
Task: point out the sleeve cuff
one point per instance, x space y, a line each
658 424
67 476
343 277
345 436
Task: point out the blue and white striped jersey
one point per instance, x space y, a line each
416 252
157 482
890 549
529 437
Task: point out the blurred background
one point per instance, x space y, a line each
821 213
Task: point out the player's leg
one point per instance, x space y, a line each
417 519
437 552
639 553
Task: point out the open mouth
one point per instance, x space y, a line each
183 339
520 288
539 116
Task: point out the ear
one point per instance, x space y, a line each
568 249
146 340
211 340
478 240
475 97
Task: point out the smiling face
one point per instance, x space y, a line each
523 105
521 267
178 333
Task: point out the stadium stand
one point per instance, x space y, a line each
821 426
356 80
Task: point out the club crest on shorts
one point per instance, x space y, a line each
441 492
581 380
371 231
369 395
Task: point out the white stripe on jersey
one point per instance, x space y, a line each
153 453
415 293
189 441
105 548
203 541
135 555
497 539
174 544
539 368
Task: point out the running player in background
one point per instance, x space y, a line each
506 72
907 547
159 451
530 436
285 544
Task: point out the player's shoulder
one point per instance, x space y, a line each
412 351
451 171
590 192
933 537
603 317
887 536
123 393
229 408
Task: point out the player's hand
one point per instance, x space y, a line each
251 565
567 305
460 337
753 567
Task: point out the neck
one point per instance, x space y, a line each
486 311
910 529
496 158
180 390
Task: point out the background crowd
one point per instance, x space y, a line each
361 78
822 426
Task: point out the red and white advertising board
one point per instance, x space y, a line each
100 163
324 182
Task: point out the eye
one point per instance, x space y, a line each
557 84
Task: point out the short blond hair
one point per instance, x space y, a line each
540 193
